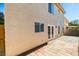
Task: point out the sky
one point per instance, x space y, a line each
71 10
1 7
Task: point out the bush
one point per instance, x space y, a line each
1 20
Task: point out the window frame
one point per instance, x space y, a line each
51 8
39 27
42 27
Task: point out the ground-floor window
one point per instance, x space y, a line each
48 31
39 27
52 31
58 29
42 27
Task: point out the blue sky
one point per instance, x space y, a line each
72 10
1 7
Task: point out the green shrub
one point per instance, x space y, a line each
1 20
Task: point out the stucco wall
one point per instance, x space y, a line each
56 19
20 33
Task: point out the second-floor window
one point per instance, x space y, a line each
51 8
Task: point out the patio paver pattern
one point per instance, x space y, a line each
63 46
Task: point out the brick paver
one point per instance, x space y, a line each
63 46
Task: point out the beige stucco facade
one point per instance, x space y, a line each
56 19
20 35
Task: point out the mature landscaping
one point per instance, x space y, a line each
73 28
1 18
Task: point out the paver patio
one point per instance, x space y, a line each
63 46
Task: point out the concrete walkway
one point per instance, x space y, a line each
63 46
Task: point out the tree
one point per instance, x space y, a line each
1 18
74 23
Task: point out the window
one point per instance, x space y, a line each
51 8
49 32
39 27
55 26
58 29
42 27
52 31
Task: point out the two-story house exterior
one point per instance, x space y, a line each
28 25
